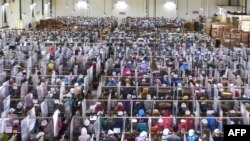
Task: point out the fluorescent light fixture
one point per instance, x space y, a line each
82 4
121 5
169 5
6 4
201 9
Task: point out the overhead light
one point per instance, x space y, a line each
121 5
201 9
170 5
81 4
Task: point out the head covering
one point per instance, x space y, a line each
86 122
12 110
141 113
19 105
44 123
217 131
183 105
120 113
83 131
119 104
99 113
160 120
143 134
16 121
165 132
129 96
204 121
187 112
76 85
40 134
183 120
191 132
210 112
110 132
148 97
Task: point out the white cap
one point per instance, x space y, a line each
44 123
19 105
204 121
143 134
129 96
81 76
232 112
99 113
98 103
148 97
58 80
160 120
217 131
191 132
86 122
76 85
183 120
197 85
134 120
165 132
120 113
209 112
187 112
183 105
179 84
40 134
16 121
12 110
120 104
110 132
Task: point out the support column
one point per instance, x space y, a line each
42 7
50 11
32 12
20 10
5 14
19 24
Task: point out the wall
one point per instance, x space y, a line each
133 8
